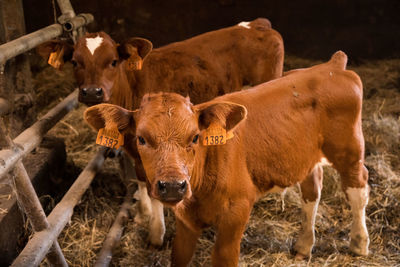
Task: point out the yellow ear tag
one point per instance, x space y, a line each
135 63
56 58
215 135
110 138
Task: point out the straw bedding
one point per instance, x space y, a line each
274 223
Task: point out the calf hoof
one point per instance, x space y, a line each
359 245
301 257
303 248
156 240
156 232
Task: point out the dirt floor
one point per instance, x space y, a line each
274 223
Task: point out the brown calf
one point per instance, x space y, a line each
279 133
202 67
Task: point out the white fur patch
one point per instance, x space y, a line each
245 24
358 199
157 225
143 197
324 162
307 237
310 209
93 43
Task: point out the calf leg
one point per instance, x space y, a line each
183 245
157 226
357 195
229 234
311 192
347 158
148 207
145 206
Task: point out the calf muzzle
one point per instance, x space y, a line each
171 192
91 95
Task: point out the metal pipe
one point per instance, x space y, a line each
127 173
114 235
30 203
39 244
66 8
31 137
28 199
78 21
4 107
29 41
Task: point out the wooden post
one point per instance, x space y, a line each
29 201
18 83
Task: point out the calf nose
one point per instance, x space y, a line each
91 95
171 191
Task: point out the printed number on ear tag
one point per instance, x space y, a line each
135 63
214 135
110 138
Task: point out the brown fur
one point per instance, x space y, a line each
291 123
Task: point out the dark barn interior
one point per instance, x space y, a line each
368 31
313 29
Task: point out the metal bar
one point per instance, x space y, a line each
78 21
37 247
127 174
66 8
4 107
30 203
115 233
29 41
28 199
31 137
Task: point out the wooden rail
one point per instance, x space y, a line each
11 158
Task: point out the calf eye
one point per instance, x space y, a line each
114 63
195 139
141 140
74 63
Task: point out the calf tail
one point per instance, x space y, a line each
339 60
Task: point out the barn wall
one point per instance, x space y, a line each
315 29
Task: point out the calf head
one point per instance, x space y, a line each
98 62
167 129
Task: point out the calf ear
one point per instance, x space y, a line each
135 51
110 116
227 114
60 51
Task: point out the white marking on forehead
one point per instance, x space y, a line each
245 24
93 43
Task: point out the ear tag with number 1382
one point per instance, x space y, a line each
110 138
216 135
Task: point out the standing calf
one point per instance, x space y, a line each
277 132
202 67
